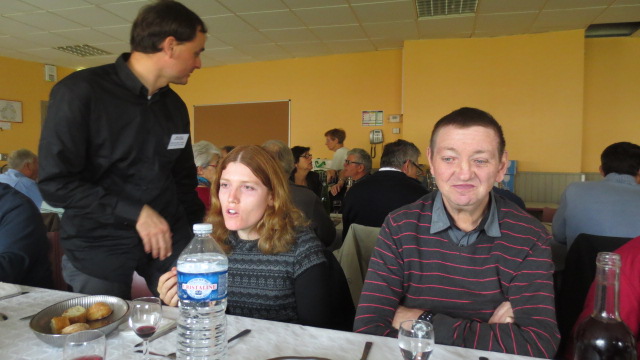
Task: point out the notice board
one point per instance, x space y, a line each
242 123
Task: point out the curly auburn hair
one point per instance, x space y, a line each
278 225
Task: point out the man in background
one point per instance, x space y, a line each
118 158
473 264
391 187
607 208
357 167
334 140
24 248
22 174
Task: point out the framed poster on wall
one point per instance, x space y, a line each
11 111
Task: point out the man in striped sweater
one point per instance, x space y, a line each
471 262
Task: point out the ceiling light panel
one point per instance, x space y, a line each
430 8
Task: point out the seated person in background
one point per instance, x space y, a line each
394 185
302 173
629 299
24 248
206 157
608 207
476 266
277 270
511 196
303 198
357 167
226 149
23 173
335 142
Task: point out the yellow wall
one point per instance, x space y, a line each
561 99
24 81
531 84
325 92
612 96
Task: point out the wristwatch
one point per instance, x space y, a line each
426 316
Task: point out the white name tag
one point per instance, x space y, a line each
178 141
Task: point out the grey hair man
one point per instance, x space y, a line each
303 198
357 166
23 173
394 185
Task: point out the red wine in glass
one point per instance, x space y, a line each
145 332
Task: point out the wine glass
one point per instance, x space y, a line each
144 319
416 339
85 345
337 204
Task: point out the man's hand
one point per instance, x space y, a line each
404 313
335 189
503 314
155 233
168 287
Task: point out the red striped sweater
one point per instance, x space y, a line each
464 285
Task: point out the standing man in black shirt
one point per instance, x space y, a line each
116 155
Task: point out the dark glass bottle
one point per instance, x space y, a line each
324 195
603 336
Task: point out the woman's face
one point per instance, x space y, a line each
305 162
209 171
244 200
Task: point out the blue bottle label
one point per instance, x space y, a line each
202 286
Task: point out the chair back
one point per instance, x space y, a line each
139 287
55 258
579 272
354 256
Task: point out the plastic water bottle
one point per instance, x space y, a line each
202 289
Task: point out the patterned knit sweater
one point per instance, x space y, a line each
464 285
264 286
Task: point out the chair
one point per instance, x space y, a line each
55 257
578 274
139 287
354 256
547 214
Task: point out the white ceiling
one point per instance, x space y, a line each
243 31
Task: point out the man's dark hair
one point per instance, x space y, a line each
395 154
158 21
621 158
337 134
467 117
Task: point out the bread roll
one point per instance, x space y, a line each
58 323
73 328
76 314
98 310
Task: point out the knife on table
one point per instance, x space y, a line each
160 333
365 353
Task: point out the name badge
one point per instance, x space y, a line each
178 141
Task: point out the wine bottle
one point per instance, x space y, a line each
603 335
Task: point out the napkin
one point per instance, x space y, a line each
7 289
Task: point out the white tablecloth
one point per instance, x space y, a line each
267 338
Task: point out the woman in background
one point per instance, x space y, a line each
206 156
302 174
277 269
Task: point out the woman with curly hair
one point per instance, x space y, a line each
277 269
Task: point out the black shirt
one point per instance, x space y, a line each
104 153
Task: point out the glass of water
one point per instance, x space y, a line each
416 339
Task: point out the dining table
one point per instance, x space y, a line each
267 339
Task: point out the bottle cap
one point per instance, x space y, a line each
202 227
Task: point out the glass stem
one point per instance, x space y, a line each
145 348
